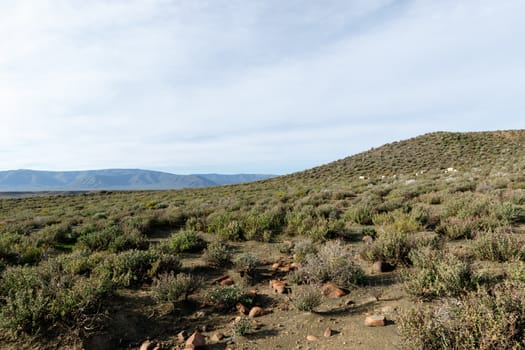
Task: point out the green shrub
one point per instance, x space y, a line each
218 254
498 246
306 298
182 241
332 263
169 287
302 249
246 263
128 268
485 319
457 228
225 226
165 263
516 271
133 240
241 326
99 240
360 214
437 274
35 298
226 297
391 247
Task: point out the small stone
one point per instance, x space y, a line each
382 266
330 290
312 338
243 310
295 265
217 337
349 302
285 268
252 293
375 321
148 345
182 336
256 311
219 279
327 332
227 282
276 265
368 239
278 286
195 341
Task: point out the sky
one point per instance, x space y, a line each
252 86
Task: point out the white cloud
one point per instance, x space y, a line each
245 85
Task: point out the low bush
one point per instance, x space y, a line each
226 297
391 247
35 298
485 319
457 228
169 287
218 254
438 274
181 241
360 214
128 268
498 246
246 263
165 263
306 298
241 327
302 249
332 263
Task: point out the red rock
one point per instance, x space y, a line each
219 279
252 293
295 265
327 333
330 290
312 338
243 310
256 311
285 268
227 282
375 321
278 286
275 266
195 341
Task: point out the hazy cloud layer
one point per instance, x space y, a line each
254 86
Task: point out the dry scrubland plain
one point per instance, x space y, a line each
422 238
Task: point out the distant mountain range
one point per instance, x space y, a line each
113 179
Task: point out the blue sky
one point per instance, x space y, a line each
248 86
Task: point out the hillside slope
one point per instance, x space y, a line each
437 151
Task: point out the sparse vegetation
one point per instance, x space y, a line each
306 298
74 261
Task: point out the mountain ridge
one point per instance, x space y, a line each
23 180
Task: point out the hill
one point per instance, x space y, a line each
436 151
113 179
401 239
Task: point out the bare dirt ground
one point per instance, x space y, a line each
133 316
